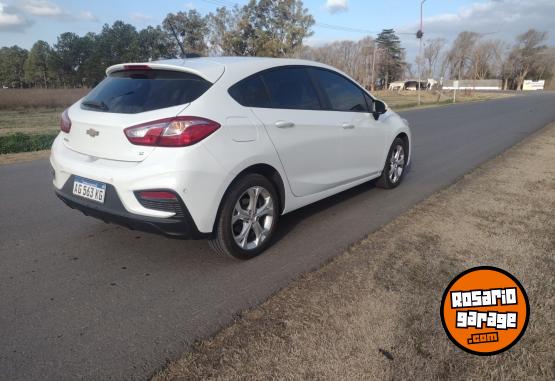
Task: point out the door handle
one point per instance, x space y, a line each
284 124
348 126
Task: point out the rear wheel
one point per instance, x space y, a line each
248 218
395 164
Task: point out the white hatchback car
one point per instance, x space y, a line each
219 148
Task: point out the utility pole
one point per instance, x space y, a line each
419 35
373 66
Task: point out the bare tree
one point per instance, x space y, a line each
526 54
460 55
432 53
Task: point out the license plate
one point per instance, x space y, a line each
93 190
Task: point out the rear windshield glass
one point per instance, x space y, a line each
134 91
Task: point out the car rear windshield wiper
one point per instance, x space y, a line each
95 104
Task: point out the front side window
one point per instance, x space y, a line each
134 91
291 88
342 93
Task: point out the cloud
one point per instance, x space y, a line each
494 19
10 21
189 5
41 8
500 19
48 9
140 18
335 6
87 16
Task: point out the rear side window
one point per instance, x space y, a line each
134 91
291 88
342 93
250 92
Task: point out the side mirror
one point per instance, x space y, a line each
378 109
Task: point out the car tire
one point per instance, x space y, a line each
395 165
247 219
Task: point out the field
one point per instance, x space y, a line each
402 100
29 118
373 312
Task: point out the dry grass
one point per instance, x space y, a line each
373 312
17 99
401 100
35 121
11 158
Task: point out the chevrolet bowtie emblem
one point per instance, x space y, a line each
92 132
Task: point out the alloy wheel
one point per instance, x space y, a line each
252 218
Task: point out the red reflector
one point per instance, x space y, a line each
136 67
65 122
157 195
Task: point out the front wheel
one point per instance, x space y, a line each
395 165
248 218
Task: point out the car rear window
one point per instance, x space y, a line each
134 91
250 92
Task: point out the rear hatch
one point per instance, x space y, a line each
130 95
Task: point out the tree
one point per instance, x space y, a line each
37 65
392 63
352 57
191 30
526 54
432 53
154 44
459 57
12 66
272 28
65 58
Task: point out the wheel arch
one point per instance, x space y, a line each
406 139
265 170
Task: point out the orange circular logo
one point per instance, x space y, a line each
485 310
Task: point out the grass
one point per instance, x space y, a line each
409 99
18 142
23 99
30 121
373 312
37 112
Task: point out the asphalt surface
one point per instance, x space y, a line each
80 299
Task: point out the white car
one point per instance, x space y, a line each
219 148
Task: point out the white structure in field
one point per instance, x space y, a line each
529 85
471 84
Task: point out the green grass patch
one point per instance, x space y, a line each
20 142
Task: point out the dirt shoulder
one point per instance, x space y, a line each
11 158
373 312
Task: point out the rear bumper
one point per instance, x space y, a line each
113 211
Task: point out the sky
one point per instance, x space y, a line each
22 22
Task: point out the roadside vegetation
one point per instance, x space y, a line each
29 118
373 312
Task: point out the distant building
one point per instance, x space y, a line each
528 85
473 84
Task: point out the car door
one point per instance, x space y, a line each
363 138
307 144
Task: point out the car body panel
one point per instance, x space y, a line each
202 173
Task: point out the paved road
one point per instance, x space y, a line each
83 300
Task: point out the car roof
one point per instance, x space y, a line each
212 68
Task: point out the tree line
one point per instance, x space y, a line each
260 28
273 28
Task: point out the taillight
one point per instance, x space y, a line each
65 122
180 131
